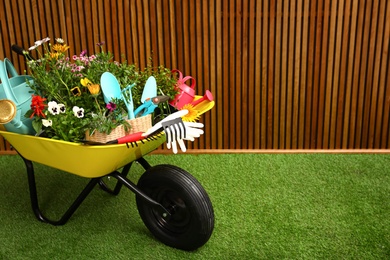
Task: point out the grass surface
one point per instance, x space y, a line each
295 206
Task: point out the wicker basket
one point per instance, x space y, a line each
139 124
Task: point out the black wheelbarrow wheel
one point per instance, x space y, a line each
192 217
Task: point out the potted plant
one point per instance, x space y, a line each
67 101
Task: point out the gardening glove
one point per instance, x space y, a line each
176 131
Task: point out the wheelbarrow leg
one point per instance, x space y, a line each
144 163
34 197
118 185
124 173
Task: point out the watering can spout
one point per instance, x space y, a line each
9 115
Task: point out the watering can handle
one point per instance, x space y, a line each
5 68
178 72
193 82
181 80
9 67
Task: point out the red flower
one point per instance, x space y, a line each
37 106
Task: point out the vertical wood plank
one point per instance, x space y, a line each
165 31
121 47
219 114
345 40
316 79
283 92
310 84
243 81
333 91
259 137
354 137
303 75
297 71
377 94
290 78
369 51
385 82
213 83
270 73
264 78
277 75
348 117
3 29
138 23
323 79
228 135
370 98
127 33
134 33
232 66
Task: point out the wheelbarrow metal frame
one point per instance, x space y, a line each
120 176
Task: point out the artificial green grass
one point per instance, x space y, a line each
279 206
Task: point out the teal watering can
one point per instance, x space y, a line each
14 89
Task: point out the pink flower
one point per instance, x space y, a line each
111 106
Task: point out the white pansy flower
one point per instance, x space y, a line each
46 122
53 108
61 108
78 111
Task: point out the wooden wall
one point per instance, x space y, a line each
299 74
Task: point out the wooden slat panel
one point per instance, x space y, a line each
294 74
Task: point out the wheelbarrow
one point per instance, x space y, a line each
171 202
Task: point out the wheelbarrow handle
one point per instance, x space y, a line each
17 49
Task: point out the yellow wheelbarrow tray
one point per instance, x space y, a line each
88 161
172 203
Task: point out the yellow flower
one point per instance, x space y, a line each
85 82
55 55
94 89
193 114
61 48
